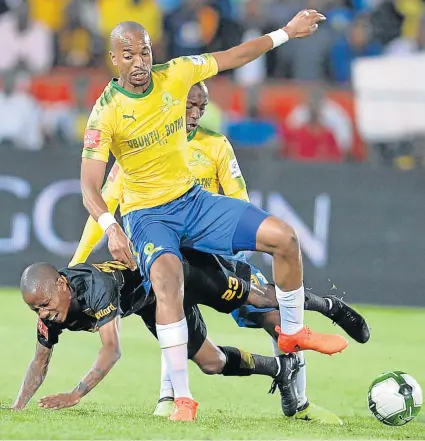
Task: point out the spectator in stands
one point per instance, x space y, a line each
51 13
358 42
72 123
20 122
386 21
407 46
146 12
254 73
224 32
306 59
313 140
24 42
252 131
75 41
191 28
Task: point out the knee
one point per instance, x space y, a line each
213 366
286 239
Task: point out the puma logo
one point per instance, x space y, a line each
130 116
291 373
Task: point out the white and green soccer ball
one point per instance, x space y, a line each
395 398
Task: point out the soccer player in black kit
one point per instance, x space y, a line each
95 297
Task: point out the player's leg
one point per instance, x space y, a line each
223 225
157 252
262 297
165 405
230 361
305 409
279 239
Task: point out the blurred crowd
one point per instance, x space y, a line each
38 36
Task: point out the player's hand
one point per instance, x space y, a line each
59 401
120 246
305 23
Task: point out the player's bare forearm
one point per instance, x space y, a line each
92 175
34 377
106 360
240 55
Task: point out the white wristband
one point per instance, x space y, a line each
106 220
278 37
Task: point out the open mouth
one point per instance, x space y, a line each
192 126
53 319
140 76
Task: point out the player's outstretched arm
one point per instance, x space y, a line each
34 377
303 24
108 355
93 233
92 174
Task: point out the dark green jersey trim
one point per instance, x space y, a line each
192 135
209 132
116 86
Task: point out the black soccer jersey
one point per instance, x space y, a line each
102 292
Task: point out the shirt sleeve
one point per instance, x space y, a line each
104 299
195 68
98 133
229 174
47 333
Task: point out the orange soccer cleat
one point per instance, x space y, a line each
307 339
184 410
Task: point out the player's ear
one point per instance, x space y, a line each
62 283
113 58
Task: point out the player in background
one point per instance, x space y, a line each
213 164
140 119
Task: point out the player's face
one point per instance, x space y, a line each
53 305
132 55
197 101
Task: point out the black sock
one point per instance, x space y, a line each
313 302
241 364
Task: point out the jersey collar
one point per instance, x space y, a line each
192 135
116 86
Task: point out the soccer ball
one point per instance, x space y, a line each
395 398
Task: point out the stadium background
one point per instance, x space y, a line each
329 132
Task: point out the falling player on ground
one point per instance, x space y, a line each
140 119
94 298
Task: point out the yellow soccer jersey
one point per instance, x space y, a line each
213 163
146 132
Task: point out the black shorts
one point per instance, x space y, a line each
210 280
197 329
216 282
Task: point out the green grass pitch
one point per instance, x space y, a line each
230 408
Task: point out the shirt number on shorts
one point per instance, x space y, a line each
230 293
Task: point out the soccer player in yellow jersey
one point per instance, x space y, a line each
214 165
140 119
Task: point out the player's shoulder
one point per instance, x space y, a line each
109 98
216 141
190 61
203 133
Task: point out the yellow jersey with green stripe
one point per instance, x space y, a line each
213 163
147 132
